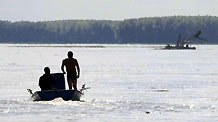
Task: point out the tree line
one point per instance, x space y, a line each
148 30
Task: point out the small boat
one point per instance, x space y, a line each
48 95
169 47
184 44
59 92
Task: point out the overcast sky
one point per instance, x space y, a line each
41 10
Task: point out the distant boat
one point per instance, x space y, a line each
183 44
187 47
59 92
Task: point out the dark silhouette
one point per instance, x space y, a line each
185 43
46 81
73 70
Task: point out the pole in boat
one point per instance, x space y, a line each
30 91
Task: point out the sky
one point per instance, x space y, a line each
47 10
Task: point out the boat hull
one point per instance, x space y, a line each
48 95
179 48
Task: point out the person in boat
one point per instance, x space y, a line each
72 68
46 81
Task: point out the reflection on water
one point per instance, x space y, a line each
136 83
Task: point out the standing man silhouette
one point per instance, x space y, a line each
73 70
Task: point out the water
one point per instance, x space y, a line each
128 83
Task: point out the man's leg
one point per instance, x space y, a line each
74 84
70 81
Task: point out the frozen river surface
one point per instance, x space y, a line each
134 83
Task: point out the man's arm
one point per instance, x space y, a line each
62 67
40 83
78 69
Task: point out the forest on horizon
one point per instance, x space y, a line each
148 30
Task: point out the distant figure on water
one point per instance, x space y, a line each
73 70
46 81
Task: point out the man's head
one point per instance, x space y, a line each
70 54
47 70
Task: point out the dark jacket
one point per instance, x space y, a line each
46 82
